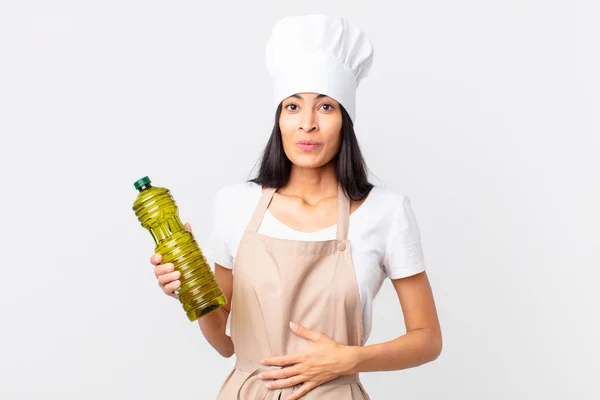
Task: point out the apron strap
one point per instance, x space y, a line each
343 212
343 215
260 210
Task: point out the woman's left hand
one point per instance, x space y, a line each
323 361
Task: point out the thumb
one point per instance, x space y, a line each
188 227
306 333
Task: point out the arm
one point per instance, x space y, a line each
214 323
422 341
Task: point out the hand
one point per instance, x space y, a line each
324 361
165 274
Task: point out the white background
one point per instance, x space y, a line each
485 113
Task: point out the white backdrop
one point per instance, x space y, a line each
486 114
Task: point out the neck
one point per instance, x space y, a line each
311 184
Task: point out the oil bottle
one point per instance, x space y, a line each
157 211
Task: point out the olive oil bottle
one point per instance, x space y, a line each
157 211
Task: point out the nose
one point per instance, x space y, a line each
308 122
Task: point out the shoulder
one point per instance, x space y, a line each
235 200
387 212
398 220
238 192
385 201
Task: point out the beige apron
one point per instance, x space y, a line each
279 280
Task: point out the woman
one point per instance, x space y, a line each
311 240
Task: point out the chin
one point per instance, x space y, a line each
307 161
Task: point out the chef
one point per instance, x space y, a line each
302 249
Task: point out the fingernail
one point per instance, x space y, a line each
293 325
268 385
260 376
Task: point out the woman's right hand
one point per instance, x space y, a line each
168 279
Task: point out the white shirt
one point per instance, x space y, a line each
383 232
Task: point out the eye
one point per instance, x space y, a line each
294 107
327 107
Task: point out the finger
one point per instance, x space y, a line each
282 373
306 333
170 287
168 278
283 360
156 259
285 383
188 226
307 387
162 269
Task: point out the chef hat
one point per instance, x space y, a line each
318 53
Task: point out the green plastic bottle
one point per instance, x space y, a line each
157 211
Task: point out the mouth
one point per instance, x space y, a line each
308 145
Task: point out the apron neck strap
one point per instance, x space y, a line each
343 212
261 208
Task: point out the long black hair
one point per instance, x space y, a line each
350 166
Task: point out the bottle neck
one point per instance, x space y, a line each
146 186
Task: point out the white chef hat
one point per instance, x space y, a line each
318 53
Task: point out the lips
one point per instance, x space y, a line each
308 145
307 142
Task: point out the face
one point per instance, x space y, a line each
311 127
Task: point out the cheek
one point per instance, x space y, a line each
287 128
334 137
334 146
286 135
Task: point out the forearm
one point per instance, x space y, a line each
213 327
412 349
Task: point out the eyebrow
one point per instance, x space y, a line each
301 98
